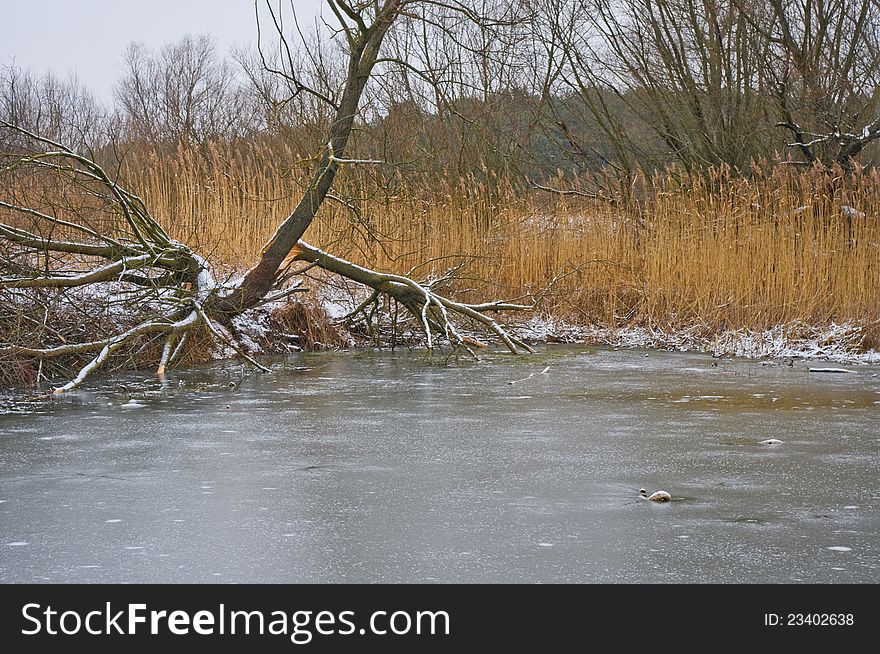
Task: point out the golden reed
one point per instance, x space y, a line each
716 249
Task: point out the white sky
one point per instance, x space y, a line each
86 38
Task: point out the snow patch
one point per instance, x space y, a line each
851 212
837 342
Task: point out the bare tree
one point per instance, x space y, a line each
186 93
109 246
690 70
62 110
824 67
713 79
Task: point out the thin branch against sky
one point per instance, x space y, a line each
87 39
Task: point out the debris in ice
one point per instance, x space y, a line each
839 370
656 496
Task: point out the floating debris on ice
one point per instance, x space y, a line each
836 370
656 496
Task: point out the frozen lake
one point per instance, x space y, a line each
391 467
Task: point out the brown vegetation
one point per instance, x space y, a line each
307 324
716 249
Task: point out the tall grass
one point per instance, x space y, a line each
717 250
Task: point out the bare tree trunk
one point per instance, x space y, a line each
364 42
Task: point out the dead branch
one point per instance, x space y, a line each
129 260
431 309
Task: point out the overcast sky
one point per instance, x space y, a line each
86 38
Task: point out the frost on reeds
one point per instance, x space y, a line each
843 343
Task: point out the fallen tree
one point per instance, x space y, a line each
73 237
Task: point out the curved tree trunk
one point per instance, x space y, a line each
364 44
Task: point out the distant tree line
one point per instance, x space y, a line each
568 86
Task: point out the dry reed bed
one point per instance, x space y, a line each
716 250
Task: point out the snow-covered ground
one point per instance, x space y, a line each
837 342
260 334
